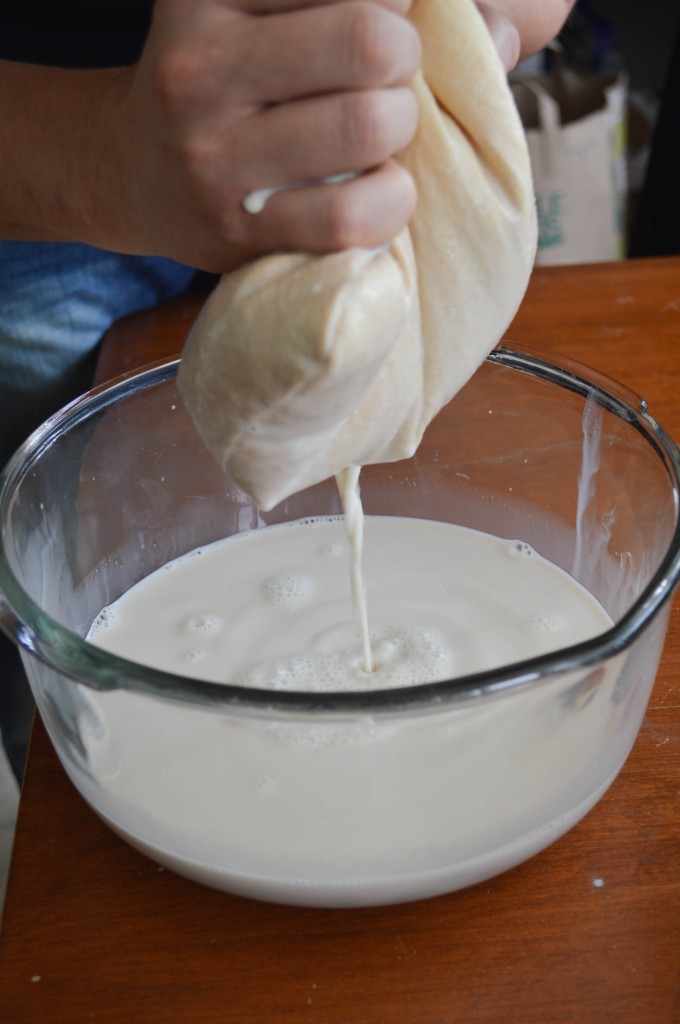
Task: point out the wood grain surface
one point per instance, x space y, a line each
587 931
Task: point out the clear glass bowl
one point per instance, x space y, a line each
346 799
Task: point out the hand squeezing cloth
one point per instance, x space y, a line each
300 365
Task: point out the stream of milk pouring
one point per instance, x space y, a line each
348 486
590 463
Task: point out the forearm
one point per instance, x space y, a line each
56 165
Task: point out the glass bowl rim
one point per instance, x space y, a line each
69 654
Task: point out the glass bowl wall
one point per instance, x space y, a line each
424 790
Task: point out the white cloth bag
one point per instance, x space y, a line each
576 134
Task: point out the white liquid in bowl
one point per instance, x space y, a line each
357 809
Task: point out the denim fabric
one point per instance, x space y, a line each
56 301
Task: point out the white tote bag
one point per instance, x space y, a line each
576 132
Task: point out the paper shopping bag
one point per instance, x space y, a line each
576 132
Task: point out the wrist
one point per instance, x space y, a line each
57 145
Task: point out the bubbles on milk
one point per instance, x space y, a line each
203 625
520 549
316 672
106 620
196 654
289 591
410 655
549 622
402 656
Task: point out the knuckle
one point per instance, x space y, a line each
195 157
177 76
370 45
372 213
344 222
382 46
368 126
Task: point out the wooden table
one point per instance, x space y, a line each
94 931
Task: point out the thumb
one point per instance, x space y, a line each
503 33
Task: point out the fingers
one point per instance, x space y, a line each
263 94
535 21
344 46
503 33
368 210
233 96
321 137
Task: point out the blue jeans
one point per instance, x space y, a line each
56 301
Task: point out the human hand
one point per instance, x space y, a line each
504 34
230 96
522 27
